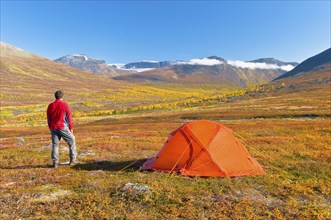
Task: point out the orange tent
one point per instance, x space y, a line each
204 148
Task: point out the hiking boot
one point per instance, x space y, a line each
55 165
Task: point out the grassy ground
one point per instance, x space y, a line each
294 153
286 128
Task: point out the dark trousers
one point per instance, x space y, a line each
69 138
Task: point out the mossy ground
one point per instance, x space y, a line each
286 129
295 154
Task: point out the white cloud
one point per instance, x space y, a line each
249 65
141 69
117 65
204 61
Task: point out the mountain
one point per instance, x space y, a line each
29 78
273 61
212 69
83 62
319 62
148 64
217 58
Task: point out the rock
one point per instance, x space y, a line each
134 187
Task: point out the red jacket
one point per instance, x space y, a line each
59 115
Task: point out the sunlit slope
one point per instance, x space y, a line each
312 81
28 78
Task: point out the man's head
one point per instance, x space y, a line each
58 94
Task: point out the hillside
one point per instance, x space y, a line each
29 78
319 62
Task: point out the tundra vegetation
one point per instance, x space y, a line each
285 126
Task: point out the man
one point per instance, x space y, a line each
60 123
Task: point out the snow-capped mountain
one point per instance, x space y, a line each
145 65
263 63
83 62
273 61
148 64
212 69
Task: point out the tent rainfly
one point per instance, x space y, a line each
204 148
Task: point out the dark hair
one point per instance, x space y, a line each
58 94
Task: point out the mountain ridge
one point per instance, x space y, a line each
318 62
273 61
86 63
220 74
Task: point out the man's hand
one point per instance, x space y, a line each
72 130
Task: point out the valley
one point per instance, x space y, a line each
285 125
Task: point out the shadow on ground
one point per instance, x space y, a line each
31 166
125 166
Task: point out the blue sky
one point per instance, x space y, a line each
128 31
